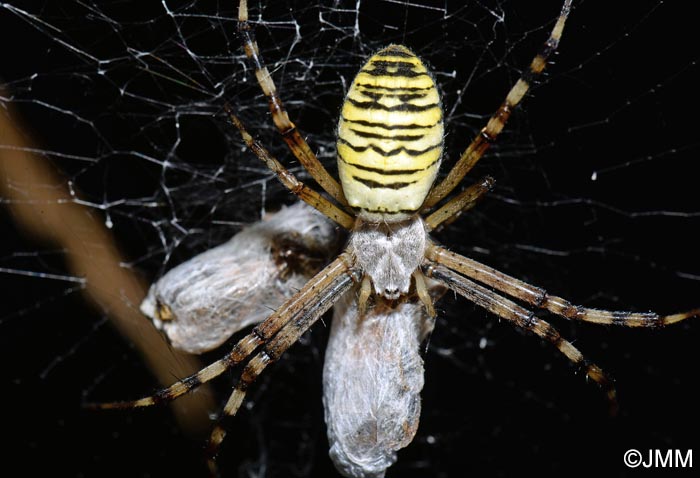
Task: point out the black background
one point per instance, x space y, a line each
620 95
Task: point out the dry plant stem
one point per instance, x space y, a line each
42 206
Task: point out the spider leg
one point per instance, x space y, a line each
495 125
462 202
524 319
305 193
540 298
296 143
331 286
294 307
424 293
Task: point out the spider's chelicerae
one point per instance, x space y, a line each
383 284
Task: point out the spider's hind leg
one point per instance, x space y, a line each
541 299
524 319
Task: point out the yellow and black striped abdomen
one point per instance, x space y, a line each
390 136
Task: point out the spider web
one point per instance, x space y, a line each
596 200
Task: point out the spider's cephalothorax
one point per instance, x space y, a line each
390 136
390 254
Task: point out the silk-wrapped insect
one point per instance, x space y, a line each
201 303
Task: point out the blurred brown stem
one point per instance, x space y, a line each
41 204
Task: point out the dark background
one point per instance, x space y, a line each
619 99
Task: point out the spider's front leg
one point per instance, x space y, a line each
497 122
296 143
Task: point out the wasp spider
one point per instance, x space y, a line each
383 284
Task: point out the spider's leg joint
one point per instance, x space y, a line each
530 321
258 335
193 381
244 347
244 26
349 262
541 298
488 182
289 130
504 112
427 267
551 44
488 137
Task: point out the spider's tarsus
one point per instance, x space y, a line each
232 116
118 405
606 383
